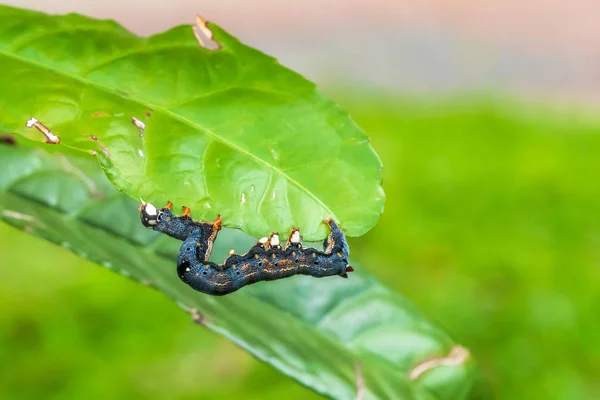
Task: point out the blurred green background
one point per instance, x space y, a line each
492 227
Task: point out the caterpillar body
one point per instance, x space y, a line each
267 260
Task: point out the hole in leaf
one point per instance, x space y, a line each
204 35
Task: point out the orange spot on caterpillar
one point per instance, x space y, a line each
286 265
217 223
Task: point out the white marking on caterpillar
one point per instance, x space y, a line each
140 153
148 212
50 137
263 240
231 252
296 237
150 209
275 239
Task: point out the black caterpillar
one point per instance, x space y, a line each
267 260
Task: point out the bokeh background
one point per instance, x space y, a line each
485 116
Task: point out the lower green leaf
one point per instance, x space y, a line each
343 338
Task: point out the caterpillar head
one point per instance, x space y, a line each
152 216
148 214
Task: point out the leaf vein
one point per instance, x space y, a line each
179 118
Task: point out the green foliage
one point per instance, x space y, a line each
325 333
493 231
495 225
227 131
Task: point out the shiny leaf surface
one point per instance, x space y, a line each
227 131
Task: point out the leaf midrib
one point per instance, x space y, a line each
177 117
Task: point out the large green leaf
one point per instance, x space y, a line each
227 131
344 338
